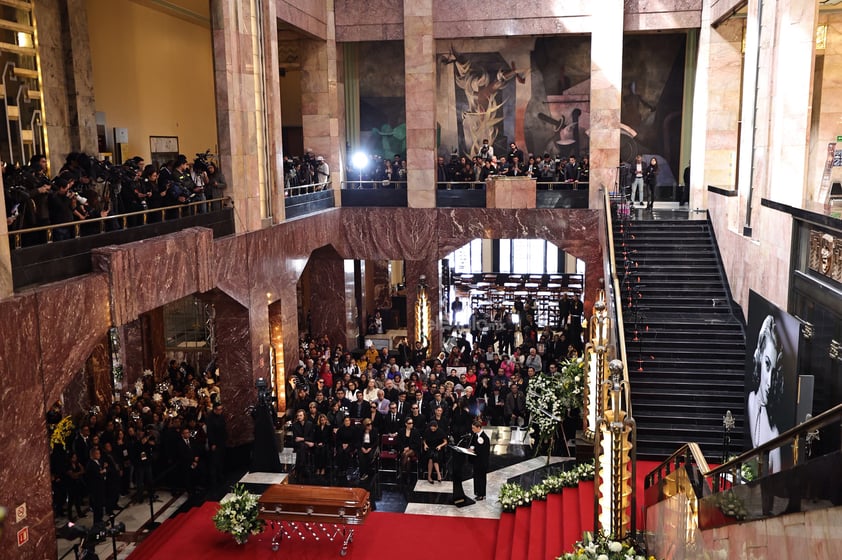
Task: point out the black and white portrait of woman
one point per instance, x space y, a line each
766 391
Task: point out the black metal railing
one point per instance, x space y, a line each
299 190
374 184
45 234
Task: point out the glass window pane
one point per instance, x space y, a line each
505 256
552 258
476 255
520 253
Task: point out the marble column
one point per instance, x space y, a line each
789 56
134 353
606 89
321 101
6 281
420 64
67 78
247 85
98 371
235 365
414 270
327 295
716 112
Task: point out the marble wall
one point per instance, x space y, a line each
454 19
67 75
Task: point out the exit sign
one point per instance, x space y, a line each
839 138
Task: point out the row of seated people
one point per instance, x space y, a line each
353 442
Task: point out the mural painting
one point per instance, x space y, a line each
534 91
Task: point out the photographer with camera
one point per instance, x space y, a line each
187 190
62 204
216 185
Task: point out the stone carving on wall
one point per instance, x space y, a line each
825 255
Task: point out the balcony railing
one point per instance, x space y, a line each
37 258
369 193
306 199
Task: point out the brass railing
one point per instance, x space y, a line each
614 289
374 184
129 219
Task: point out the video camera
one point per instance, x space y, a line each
200 164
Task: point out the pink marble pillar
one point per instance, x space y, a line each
414 270
420 64
606 88
327 295
248 109
234 361
321 103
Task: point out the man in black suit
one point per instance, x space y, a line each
481 445
360 408
96 473
187 459
302 438
392 421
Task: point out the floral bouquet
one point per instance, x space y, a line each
237 515
550 398
602 547
62 432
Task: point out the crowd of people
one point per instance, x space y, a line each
306 171
340 404
545 169
86 188
170 431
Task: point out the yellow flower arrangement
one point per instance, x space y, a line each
62 432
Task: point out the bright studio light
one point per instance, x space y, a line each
359 160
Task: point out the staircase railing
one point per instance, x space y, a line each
732 473
613 294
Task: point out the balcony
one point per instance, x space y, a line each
307 199
37 259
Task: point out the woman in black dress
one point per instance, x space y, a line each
650 179
409 444
434 442
346 441
321 444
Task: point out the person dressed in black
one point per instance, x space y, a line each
75 481
96 474
187 459
302 439
650 180
368 444
322 437
409 443
481 445
434 443
217 436
346 442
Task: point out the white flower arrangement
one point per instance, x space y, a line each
237 515
513 495
603 547
550 398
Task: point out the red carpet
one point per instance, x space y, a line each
572 528
505 535
520 540
586 506
554 545
417 537
537 531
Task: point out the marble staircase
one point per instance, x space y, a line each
685 340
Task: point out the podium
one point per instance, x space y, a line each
510 192
460 500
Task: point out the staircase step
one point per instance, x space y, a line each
554 546
586 505
505 536
537 531
520 540
572 529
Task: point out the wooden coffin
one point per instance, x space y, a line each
320 504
